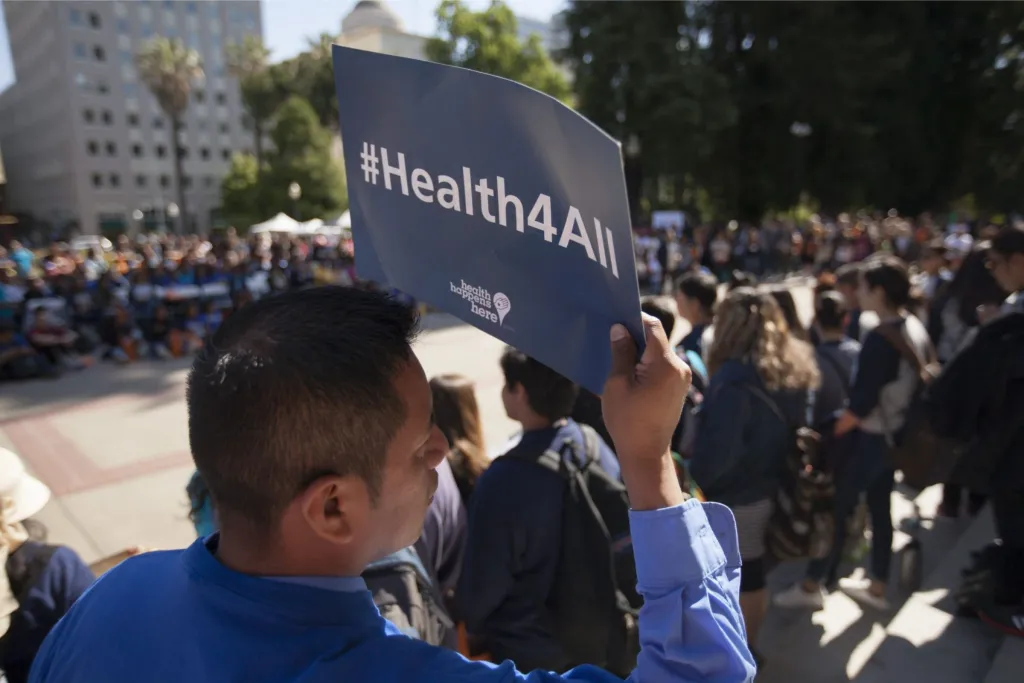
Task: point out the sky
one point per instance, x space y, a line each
287 23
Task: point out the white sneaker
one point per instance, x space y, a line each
858 589
796 597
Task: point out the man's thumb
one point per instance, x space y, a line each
623 352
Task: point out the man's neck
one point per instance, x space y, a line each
700 320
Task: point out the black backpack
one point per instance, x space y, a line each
593 605
405 595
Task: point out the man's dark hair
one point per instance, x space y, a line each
548 393
657 307
294 387
700 286
849 275
1009 241
830 311
890 274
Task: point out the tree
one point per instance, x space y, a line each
240 198
168 69
487 41
247 62
301 154
310 75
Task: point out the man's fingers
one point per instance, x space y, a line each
657 341
623 352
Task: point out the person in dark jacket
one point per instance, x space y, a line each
761 377
836 354
44 580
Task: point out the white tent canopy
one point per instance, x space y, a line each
309 227
343 220
281 223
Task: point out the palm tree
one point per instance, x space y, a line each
247 62
168 69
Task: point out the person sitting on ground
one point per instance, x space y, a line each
696 295
18 360
310 420
51 337
157 333
836 353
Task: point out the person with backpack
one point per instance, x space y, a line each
515 539
403 589
761 377
310 419
836 355
884 384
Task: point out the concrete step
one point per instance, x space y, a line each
925 641
1008 665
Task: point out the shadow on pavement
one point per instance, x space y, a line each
158 380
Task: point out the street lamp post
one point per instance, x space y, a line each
173 212
295 193
634 175
137 216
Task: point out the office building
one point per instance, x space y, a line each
85 144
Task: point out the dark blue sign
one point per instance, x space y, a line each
491 201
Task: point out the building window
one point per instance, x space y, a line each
161 151
97 180
204 154
99 53
89 115
136 150
169 4
165 181
102 88
130 89
108 118
225 154
122 26
76 17
133 119
126 58
200 96
225 128
186 182
208 182
158 122
183 152
147 31
140 181
190 7
79 51
111 149
221 99
91 147
94 20
115 180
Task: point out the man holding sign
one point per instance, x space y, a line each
310 419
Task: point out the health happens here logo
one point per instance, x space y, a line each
482 303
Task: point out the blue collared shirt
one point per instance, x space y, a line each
691 628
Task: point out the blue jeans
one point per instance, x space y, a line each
867 471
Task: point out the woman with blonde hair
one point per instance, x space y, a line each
458 416
762 377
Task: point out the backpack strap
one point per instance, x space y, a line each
591 445
768 401
894 335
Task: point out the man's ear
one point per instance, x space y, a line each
336 508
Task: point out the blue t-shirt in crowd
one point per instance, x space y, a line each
180 615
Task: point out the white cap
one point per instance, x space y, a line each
21 494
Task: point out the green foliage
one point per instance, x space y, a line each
301 154
241 204
310 75
169 69
487 41
261 96
906 105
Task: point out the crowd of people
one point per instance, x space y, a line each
157 297
336 479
